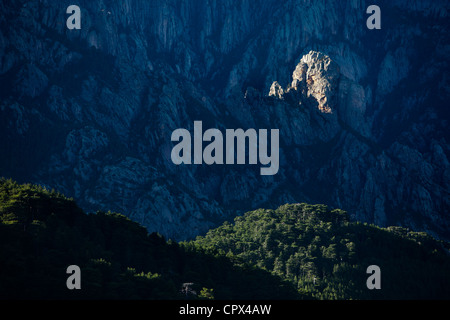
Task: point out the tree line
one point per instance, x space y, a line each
298 251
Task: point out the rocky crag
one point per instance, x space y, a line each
363 114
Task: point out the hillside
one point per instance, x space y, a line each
324 255
298 251
43 232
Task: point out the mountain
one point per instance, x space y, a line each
42 233
324 255
362 114
297 251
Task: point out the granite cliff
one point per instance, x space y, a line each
363 114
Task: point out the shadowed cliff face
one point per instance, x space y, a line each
362 113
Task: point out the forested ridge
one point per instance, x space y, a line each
324 255
298 251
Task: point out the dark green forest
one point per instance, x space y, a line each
325 256
297 251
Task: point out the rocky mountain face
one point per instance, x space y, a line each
363 114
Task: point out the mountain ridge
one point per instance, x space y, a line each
298 251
